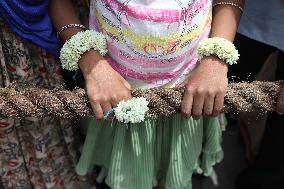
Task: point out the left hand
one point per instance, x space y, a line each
280 102
205 89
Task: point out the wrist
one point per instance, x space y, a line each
90 62
213 64
69 32
219 47
80 44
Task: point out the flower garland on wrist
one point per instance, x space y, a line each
220 47
80 43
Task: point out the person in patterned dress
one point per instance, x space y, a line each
34 153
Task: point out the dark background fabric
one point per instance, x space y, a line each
29 19
267 169
263 20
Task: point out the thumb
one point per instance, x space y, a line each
126 84
280 102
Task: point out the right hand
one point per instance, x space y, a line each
105 87
205 89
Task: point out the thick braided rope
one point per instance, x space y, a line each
35 102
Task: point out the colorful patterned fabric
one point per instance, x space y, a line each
152 43
35 153
30 20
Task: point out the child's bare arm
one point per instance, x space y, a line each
105 87
226 19
62 13
206 87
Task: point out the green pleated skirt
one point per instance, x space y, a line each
164 151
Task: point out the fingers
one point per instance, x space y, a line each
186 104
192 103
114 101
103 104
98 111
198 103
219 103
208 105
280 103
126 84
106 106
100 108
105 89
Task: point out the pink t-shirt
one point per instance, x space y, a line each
152 43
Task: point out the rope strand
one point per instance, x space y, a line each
35 102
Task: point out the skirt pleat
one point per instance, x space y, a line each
165 151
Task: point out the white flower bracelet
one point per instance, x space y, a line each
220 47
80 43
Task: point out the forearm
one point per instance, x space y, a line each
226 19
62 13
224 24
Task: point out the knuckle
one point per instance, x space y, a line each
93 99
114 97
125 94
221 90
210 92
90 94
200 91
189 88
103 99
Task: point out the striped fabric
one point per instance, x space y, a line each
152 43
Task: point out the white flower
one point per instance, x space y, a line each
80 43
131 111
220 47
